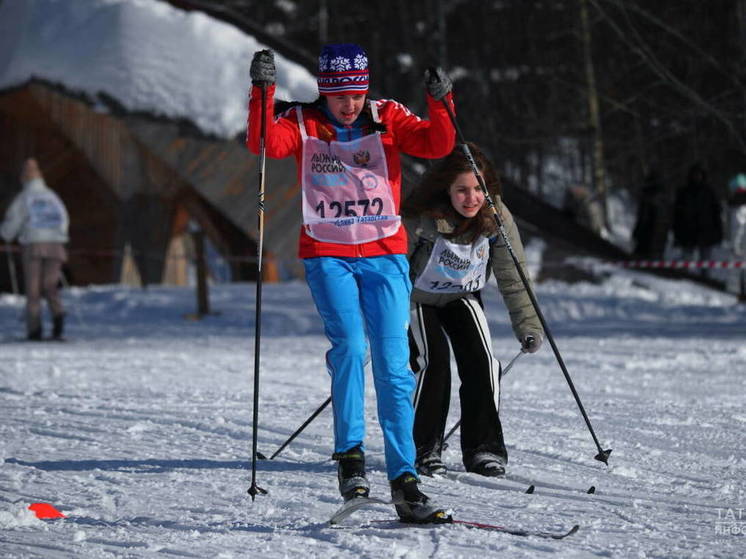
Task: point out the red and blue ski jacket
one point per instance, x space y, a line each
404 132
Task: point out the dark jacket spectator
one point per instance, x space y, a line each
737 203
697 221
653 218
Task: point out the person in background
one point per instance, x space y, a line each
737 204
455 247
39 219
653 219
354 247
697 222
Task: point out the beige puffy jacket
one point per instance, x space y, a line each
424 231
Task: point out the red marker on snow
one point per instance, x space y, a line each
45 511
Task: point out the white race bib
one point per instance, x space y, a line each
455 268
347 196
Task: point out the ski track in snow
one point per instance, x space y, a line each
139 430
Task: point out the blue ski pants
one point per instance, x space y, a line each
355 296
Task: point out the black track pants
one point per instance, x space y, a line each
464 323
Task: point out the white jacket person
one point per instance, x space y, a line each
36 215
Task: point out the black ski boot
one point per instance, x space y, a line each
414 506
58 327
34 335
351 473
490 467
431 465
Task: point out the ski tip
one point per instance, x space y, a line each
570 532
530 489
45 511
353 504
591 490
260 456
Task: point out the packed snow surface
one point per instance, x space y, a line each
139 430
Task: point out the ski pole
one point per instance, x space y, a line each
503 373
12 269
254 489
603 455
300 429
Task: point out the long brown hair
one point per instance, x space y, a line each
431 197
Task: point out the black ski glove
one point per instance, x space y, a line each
530 343
262 69
438 84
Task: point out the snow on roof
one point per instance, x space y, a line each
146 54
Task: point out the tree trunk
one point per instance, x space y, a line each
323 23
594 117
741 9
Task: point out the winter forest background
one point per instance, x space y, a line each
137 110
593 92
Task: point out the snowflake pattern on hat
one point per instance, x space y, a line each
361 62
339 64
343 70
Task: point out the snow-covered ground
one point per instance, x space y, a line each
139 430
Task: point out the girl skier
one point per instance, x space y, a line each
455 245
354 247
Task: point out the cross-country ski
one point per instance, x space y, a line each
355 504
517 531
358 503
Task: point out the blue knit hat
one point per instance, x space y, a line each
343 70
